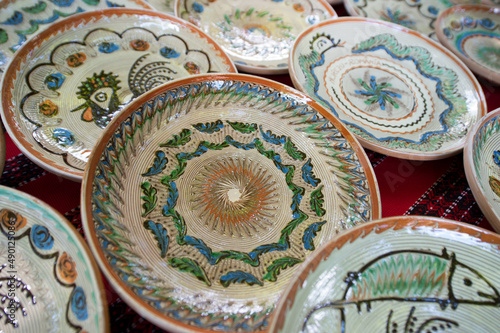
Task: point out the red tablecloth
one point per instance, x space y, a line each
437 188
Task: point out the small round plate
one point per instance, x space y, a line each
416 15
482 165
401 93
20 20
472 32
66 84
399 274
50 281
257 35
203 196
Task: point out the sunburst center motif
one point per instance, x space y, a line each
235 196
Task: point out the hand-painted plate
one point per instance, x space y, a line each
82 71
482 165
50 281
399 92
399 274
417 15
472 32
203 196
256 34
20 20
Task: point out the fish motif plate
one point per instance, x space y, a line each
82 71
204 195
472 32
401 93
419 15
49 279
482 165
20 20
257 34
399 274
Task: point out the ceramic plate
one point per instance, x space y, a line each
399 92
85 69
482 165
417 15
20 20
400 274
50 281
204 195
258 34
472 32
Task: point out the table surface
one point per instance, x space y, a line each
435 188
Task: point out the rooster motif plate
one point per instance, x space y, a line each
399 274
204 195
49 279
83 71
258 34
401 93
20 20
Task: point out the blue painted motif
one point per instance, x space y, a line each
63 137
54 81
41 237
377 93
62 3
487 23
108 47
168 52
15 19
198 7
78 302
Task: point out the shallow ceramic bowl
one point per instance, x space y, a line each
472 32
82 71
50 281
399 274
258 34
204 195
20 20
482 165
416 15
401 93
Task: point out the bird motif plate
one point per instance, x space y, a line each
472 32
82 71
258 34
419 15
482 165
49 279
401 93
204 195
20 20
399 274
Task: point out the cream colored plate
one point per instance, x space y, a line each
401 93
399 274
50 281
256 34
224 184
82 71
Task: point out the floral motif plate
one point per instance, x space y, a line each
20 20
49 279
85 69
482 165
203 196
399 274
419 15
258 34
399 92
472 32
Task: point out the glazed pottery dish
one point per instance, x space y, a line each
82 71
256 34
472 32
205 194
482 165
20 20
399 274
50 281
419 15
401 93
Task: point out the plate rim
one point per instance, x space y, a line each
418 156
360 231
8 113
128 295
